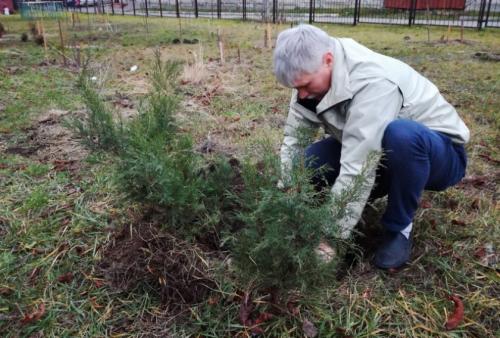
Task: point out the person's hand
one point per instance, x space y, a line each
325 252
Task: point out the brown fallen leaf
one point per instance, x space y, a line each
475 181
480 252
342 333
5 291
425 204
99 283
458 314
489 158
263 317
293 309
246 308
93 302
309 329
486 255
63 165
458 222
35 315
65 278
212 300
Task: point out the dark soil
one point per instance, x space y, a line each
49 141
144 254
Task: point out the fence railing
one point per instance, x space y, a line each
465 13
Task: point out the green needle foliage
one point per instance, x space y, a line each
276 248
156 162
279 229
98 129
159 165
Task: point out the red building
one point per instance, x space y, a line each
424 4
6 3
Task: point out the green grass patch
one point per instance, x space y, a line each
57 224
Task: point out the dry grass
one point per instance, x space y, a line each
195 72
61 217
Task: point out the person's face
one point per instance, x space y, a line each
315 85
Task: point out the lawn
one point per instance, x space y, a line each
74 248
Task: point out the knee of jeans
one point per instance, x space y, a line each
400 134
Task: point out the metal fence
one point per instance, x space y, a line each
466 13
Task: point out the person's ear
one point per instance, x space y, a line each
328 59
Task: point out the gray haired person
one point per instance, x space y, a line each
368 102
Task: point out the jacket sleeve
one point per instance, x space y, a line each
291 146
372 108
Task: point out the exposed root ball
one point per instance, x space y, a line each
177 270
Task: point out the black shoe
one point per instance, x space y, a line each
394 252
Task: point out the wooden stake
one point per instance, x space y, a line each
462 31
269 43
180 29
77 56
72 19
221 46
43 37
239 55
62 41
265 38
448 34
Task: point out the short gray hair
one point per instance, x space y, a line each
299 50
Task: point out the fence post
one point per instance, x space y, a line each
196 8
356 12
311 11
480 16
177 9
412 12
359 10
275 10
488 14
133 6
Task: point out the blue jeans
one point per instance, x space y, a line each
416 158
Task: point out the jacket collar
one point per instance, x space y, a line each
340 89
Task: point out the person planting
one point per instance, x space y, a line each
368 103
